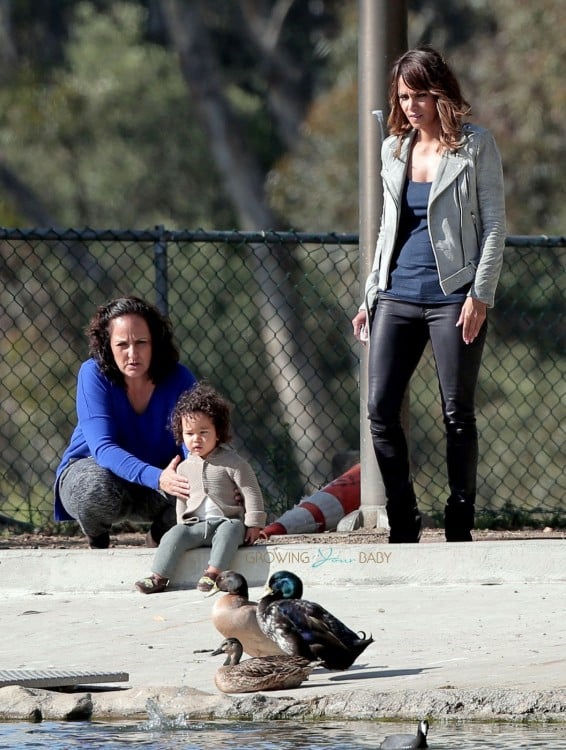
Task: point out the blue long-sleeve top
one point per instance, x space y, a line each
136 447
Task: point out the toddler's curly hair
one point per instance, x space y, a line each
203 398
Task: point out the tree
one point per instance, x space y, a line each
516 86
508 57
315 184
293 365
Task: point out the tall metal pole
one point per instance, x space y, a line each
382 38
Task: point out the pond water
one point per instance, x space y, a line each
281 735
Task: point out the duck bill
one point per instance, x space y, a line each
267 590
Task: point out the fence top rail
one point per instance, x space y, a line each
535 240
161 234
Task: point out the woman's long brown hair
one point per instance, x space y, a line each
424 69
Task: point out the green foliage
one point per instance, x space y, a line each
508 58
315 186
221 340
109 140
516 87
512 517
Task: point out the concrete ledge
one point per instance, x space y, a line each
21 704
531 561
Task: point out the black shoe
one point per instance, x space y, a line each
405 524
458 536
102 541
458 519
404 538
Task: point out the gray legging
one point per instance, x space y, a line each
97 498
224 535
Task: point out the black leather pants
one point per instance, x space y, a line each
399 334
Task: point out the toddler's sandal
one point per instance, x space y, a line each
152 585
206 582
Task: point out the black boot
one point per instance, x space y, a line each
392 456
458 520
405 522
462 461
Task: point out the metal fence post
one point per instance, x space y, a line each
160 263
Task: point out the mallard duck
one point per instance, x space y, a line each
407 741
278 672
303 628
234 616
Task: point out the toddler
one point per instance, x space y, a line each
225 508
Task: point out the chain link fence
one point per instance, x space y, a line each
265 317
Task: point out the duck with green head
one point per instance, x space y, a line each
304 628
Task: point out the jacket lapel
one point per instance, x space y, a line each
396 169
451 165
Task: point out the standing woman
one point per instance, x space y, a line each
122 459
438 259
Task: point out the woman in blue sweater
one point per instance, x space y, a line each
438 259
122 458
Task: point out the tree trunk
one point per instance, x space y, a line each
305 403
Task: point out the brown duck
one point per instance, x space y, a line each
260 672
234 616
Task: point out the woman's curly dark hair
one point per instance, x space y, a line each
204 398
164 353
424 69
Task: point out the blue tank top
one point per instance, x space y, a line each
414 275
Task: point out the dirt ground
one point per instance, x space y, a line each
13 540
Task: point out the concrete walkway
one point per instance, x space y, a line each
461 631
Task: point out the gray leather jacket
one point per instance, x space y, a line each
466 215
